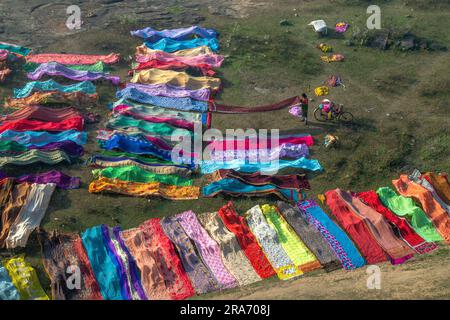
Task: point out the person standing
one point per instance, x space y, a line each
304 105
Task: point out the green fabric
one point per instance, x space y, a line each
122 122
405 207
97 67
15 49
11 146
121 154
136 174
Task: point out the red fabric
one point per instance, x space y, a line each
236 224
223 108
176 280
75 123
356 228
175 65
406 231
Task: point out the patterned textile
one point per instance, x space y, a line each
72 59
270 243
34 155
7 289
233 257
51 85
208 249
151 34
201 277
341 244
310 236
247 241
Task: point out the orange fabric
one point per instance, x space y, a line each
440 184
430 206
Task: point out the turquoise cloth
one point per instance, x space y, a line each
50 85
171 45
105 270
238 165
14 49
41 138
7 289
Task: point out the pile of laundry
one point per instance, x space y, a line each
179 256
10 53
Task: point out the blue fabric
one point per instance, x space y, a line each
136 145
7 289
171 45
104 269
235 186
335 236
41 138
238 165
50 85
183 104
151 34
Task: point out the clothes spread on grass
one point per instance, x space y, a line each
51 85
171 45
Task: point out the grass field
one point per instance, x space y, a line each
400 101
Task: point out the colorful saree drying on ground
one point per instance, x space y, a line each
35 155
77 99
171 45
151 34
73 59
167 90
33 138
51 85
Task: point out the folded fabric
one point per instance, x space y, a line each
57 69
430 206
143 50
234 187
15 49
263 167
208 249
137 174
247 241
297 251
96 67
200 276
180 79
171 45
73 59
310 236
12 208
341 244
183 104
30 215
224 108
440 184
233 257
60 179
208 60
292 181
41 113
341 27
119 121
151 34
32 156
33 138
24 278
51 85
75 123
397 250
167 90
7 289
405 207
105 270
144 189
402 225
78 99
161 275
250 143
203 68
270 243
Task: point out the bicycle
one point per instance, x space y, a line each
341 115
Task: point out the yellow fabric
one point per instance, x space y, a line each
24 278
297 251
180 79
144 189
321 91
144 50
321 197
325 48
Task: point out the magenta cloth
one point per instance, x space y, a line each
341 28
3 55
209 249
57 69
213 60
294 139
151 34
69 147
61 180
167 90
286 150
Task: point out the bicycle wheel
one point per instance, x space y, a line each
319 116
346 117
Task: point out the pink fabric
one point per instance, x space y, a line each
73 58
3 55
212 60
209 249
223 144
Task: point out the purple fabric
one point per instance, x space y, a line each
151 34
286 150
124 286
342 29
71 148
61 180
167 90
208 249
294 151
57 69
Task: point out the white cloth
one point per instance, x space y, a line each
319 25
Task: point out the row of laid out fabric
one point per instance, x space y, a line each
171 92
178 256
